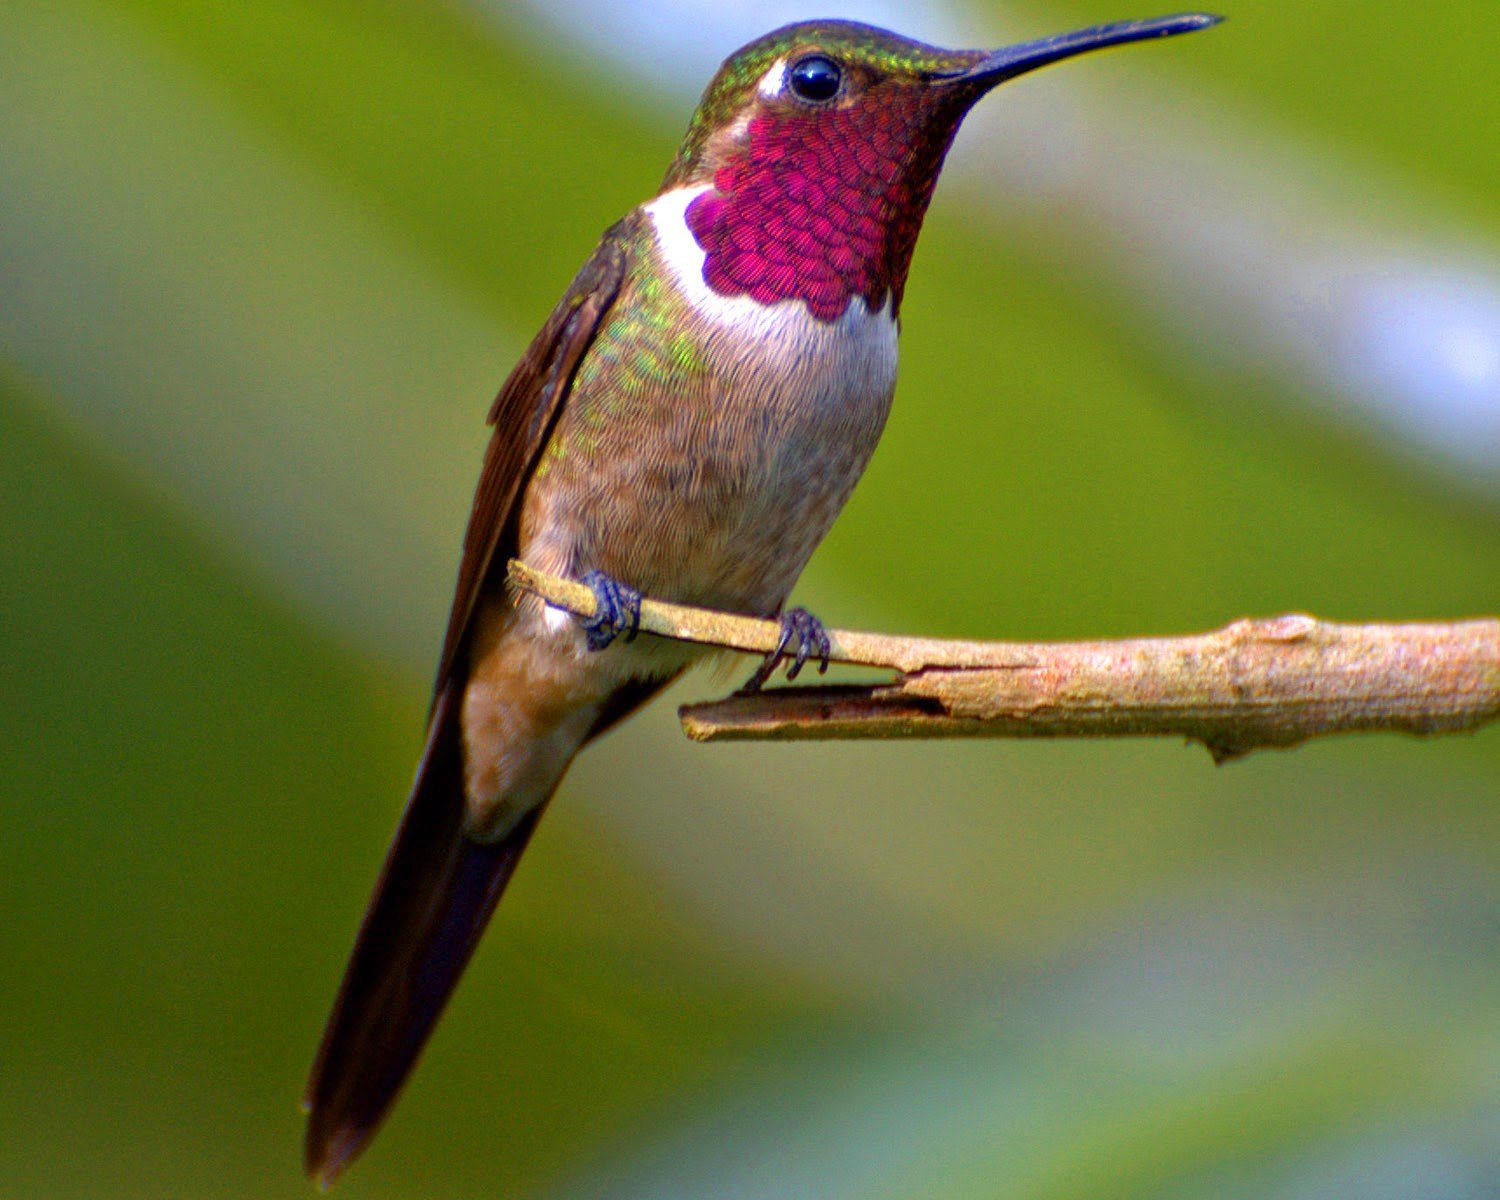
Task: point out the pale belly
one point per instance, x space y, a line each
710 441
716 496
706 476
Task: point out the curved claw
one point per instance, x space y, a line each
617 610
805 634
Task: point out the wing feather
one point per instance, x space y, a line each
523 416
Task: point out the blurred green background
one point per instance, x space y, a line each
261 270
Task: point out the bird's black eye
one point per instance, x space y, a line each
815 78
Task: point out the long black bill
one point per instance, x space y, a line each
1011 61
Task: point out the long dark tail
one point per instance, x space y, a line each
435 895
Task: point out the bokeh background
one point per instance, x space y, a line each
1197 330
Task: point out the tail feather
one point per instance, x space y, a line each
436 893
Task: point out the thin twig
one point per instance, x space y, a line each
1251 685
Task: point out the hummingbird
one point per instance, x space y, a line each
687 424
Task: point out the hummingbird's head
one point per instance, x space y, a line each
817 147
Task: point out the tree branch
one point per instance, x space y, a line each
1253 684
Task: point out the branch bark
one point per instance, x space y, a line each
1251 685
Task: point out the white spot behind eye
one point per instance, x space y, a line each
773 81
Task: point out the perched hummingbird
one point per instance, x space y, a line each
687 424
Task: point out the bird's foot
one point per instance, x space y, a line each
617 610
802 638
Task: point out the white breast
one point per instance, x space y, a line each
859 338
811 399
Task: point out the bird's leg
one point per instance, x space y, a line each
617 610
805 635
